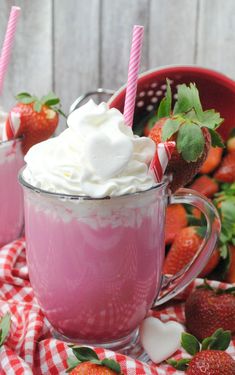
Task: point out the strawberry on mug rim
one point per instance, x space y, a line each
193 130
33 119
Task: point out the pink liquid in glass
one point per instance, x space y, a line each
11 197
95 265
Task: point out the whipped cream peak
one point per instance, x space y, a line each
97 155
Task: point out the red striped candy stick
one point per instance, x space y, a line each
8 43
134 64
161 158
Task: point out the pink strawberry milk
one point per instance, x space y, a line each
11 161
94 220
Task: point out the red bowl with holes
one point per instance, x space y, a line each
216 91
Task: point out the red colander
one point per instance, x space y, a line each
216 91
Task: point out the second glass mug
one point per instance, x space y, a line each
11 206
96 264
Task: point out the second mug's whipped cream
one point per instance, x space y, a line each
97 155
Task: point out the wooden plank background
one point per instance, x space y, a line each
72 46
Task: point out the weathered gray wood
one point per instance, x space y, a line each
216 35
117 20
76 48
31 61
172 32
73 46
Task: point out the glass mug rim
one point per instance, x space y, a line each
38 190
9 141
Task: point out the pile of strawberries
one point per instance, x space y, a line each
216 180
199 152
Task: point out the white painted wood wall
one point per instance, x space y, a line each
72 46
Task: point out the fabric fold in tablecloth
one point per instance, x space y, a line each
30 347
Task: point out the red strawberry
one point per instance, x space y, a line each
212 161
87 362
176 218
88 368
216 362
226 170
209 357
183 249
191 129
207 309
205 185
33 119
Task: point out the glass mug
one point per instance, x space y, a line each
96 264
11 206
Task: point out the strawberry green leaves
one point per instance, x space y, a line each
26 98
190 141
187 99
218 341
216 140
86 354
190 343
5 324
211 118
187 120
164 109
51 101
170 128
181 365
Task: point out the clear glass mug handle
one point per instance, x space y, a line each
173 285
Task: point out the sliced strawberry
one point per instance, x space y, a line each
176 219
212 161
205 185
226 170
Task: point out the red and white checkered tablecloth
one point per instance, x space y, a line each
30 348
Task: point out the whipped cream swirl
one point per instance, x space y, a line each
97 155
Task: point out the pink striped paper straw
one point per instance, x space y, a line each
161 159
133 70
7 44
